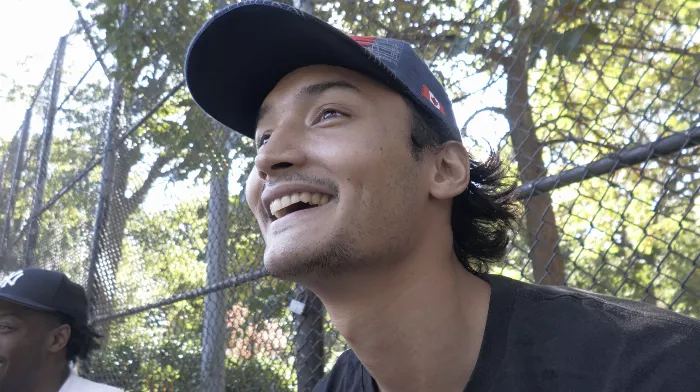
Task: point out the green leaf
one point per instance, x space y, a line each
571 42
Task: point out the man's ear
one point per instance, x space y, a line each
451 172
58 337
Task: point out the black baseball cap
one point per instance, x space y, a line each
48 291
244 50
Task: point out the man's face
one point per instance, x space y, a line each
335 187
23 334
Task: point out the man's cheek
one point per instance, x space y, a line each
252 190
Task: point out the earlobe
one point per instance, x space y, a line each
451 171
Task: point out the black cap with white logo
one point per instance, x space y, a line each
45 290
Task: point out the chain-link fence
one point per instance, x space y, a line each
118 179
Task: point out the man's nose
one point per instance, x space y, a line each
283 149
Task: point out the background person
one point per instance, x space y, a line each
43 328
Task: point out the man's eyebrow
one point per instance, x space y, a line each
310 91
319 88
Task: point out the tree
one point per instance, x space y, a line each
563 44
164 255
150 56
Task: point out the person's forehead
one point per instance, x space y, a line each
297 80
9 308
26 314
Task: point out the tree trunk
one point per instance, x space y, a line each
120 209
110 257
542 232
305 5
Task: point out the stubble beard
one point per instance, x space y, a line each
334 259
346 252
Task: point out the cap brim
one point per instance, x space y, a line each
243 51
26 302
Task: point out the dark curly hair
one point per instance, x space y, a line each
83 339
485 215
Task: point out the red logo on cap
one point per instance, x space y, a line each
430 97
363 41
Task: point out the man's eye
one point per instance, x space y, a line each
330 113
262 140
327 114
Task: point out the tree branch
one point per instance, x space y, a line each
121 173
153 174
494 109
494 55
490 83
580 120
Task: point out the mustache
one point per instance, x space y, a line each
302 178
297 178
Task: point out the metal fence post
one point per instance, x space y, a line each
33 233
308 339
3 166
109 158
10 158
213 365
14 183
106 185
214 318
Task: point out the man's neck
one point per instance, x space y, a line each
417 327
53 378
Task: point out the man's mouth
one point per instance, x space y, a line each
296 202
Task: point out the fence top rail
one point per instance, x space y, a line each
226 284
609 164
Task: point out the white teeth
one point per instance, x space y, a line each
277 207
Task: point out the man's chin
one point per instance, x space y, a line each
10 384
303 266
295 270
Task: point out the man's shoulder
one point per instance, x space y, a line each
565 302
347 375
630 345
76 383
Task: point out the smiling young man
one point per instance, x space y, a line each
43 327
364 193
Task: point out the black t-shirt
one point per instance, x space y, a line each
544 338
